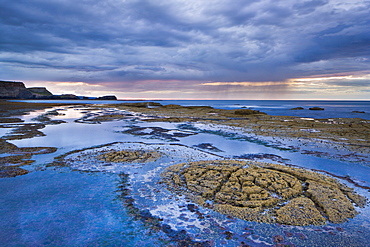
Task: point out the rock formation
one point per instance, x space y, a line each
316 109
11 89
17 90
264 192
107 97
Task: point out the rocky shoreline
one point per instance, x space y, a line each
17 90
167 189
13 157
342 139
346 138
264 192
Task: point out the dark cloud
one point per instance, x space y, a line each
191 41
307 7
342 41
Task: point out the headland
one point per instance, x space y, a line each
17 90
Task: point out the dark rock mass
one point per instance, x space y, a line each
107 97
10 90
17 90
316 109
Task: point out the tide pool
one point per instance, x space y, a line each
90 203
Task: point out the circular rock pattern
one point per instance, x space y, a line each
264 192
124 156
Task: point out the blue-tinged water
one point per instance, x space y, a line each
332 109
54 208
66 207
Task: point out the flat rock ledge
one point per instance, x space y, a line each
264 192
124 156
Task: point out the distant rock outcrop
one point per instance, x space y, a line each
297 108
248 112
36 93
65 96
143 104
316 109
17 90
107 97
11 89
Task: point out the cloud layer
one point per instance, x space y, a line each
149 45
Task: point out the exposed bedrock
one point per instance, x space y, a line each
264 192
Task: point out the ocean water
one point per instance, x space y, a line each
332 109
91 204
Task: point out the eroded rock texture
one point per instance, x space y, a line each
129 156
264 192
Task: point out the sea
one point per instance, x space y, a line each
87 204
332 108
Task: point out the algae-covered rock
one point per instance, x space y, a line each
12 171
129 156
142 104
13 157
335 204
264 192
300 211
247 112
172 106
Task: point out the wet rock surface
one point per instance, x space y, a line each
158 132
189 218
264 192
248 112
208 146
349 135
13 157
104 115
129 156
11 171
9 108
316 109
272 157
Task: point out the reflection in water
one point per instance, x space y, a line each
65 207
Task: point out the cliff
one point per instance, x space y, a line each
17 90
11 90
36 93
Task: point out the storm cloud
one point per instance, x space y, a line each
130 43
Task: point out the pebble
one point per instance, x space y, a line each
278 238
288 234
301 236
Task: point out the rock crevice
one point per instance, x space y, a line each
264 192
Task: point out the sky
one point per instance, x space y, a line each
193 49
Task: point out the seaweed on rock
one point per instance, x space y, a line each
124 156
264 192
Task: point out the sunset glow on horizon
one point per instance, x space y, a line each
258 49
